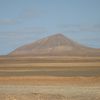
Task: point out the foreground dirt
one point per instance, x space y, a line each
49 88
41 96
48 80
46 87
32 96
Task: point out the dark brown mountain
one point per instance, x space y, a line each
55 45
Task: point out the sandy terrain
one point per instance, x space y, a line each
23 78
50 88
50 66
50 93
48 80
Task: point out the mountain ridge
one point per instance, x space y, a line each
55 45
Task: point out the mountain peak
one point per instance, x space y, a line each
59 35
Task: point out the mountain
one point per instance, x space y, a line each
55 45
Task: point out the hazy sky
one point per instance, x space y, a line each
24 21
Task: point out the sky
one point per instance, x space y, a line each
25 21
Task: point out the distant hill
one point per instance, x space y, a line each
55 45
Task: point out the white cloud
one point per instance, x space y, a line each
7 21
30 13
22 33
34 30
81 28
25 14
92 38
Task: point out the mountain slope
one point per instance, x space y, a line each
55 45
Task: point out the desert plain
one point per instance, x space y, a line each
49 78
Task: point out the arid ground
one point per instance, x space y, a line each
49 78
